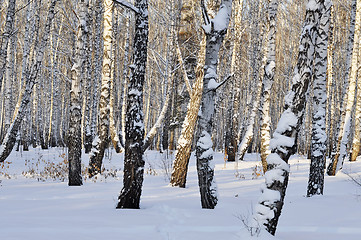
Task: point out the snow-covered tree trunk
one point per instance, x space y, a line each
134 128
345 129
267 82
4 40
53 135
356 144
77 76
283 144
96 69
29 28
319 136
34 68
112 128
125 79
330 117
88 85
215 30
235 70
255 73
101 142
9 84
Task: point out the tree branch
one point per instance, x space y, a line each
221 83
128 5
205 13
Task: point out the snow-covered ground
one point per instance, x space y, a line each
34 207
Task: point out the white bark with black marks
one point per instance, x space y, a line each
134 127
215 30
319 137
337 160
77 77
4 40
33 70
283 144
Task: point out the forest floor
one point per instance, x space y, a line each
37 204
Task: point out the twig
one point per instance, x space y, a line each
128 5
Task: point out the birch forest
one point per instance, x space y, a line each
269 77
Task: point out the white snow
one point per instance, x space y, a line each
221 20
36 208
312 5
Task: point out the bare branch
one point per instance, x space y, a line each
128 5
184 71
205 13
221 83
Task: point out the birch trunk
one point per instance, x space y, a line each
88 85
235 69
283 144
330 120
134 128
10 137
319 136
191 73
96 70
357 135
4 40
112 128
215 30
184 145
345 129
267 82
258 64
99 144
77 76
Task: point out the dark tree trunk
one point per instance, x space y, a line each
134 128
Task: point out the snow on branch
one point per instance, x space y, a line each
128 5
213 85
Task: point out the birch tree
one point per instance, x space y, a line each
101 142
344 133
257 63
283 144
215 29
184 144
4 40
96 68
74 137
319 137
33 70
134 128
267 82
235 70
356 144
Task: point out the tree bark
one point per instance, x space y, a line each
215 30
74 135
10 137
134 128
283 144
267 82
319 136
345 129
4 40
100 143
